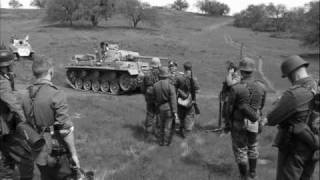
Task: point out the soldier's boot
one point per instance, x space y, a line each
182 132
252 168
243 171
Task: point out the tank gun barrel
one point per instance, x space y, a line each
150 57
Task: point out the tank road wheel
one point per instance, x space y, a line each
71 76
125 82
114 86
86 84
104 86
78 83
95 85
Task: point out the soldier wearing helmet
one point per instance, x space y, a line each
166 104
245 102
295 155
187 86
148 81
11 112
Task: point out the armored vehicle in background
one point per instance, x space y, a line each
110 71
21 48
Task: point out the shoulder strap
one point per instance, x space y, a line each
32 95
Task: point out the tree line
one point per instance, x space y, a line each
302 22
93 11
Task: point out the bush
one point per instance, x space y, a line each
15 4
213 7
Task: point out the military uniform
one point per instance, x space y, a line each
49 108
246 99
294 157
11 114
148 82
186 114
166 105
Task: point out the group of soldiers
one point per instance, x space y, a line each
36 134
296 113
170 100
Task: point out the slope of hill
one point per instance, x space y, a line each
109 128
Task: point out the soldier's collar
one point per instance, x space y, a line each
43 81
302 81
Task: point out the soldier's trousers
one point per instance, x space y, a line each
244 145
186 117
150 117
166 119
295 163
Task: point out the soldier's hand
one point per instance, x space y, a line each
264 121
176 118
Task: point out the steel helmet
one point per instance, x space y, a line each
164 72
155 62
6 57
247 64
292 63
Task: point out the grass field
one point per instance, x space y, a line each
109 132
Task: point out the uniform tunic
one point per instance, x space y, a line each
166 104
9 105
186 115
148 83
50 107
294 161
247 98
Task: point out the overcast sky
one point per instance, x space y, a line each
235 5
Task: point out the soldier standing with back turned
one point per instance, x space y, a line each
296 141
165 100
46 109
247 100
148 82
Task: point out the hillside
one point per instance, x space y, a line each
109 128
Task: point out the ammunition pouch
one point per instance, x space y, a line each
33 138
303 133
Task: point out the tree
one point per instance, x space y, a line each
62 10
138 12
213 7
311 32
95 10
180 5
249 17
277 13
39 3
15 4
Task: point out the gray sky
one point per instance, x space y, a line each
235 5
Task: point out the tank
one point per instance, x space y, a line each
111 71
21 48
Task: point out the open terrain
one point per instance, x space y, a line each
109 131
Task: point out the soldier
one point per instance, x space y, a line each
186 85
46 110
295 156
166 105
11 114
148 83
246 100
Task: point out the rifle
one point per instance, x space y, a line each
193 96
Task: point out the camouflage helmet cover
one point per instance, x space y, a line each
6 57
187 65
292 63
155 62
247 64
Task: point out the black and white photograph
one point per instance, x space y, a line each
159 90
